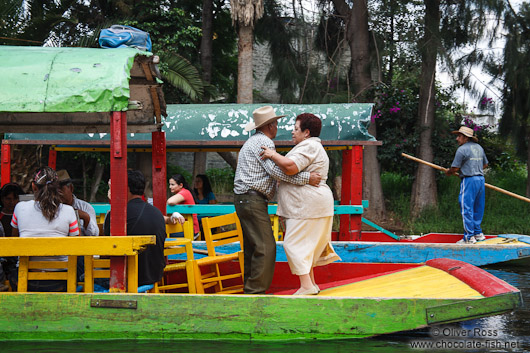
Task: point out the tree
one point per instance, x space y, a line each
424 191
357 35
448 27
245 13
514 71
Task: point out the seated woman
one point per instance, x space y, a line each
45 216
203 190
182 195
308 210
204 194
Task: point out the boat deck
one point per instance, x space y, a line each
419 282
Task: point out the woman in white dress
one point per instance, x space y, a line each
308 210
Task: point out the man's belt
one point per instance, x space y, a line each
257 193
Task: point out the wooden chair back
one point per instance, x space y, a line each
229 232
30 268
176 246
186 229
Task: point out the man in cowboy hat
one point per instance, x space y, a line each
469 163
254 185
86 213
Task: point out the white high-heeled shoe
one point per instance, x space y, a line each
310 291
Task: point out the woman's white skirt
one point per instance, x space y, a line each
307 243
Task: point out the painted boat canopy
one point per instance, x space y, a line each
223 125
50 79
74 89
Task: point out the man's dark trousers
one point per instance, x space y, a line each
259 246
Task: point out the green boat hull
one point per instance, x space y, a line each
57 316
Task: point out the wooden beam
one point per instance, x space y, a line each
352 186
118 202
76 246
6 164
159 171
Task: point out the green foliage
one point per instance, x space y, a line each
171 29
503 214
397 26
287 64
396 117
182 75
221 179
515 75
176 169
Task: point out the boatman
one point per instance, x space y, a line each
254 185
469 163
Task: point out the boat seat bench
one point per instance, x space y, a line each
72 247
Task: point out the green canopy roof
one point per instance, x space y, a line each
223 125
51 79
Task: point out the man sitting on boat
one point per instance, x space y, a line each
144 219
85 211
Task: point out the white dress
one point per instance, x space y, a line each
308 211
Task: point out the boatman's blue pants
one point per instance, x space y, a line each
472 201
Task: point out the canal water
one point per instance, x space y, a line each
501 333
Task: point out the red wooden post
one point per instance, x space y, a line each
158 139
6 164
118 201
52 158
352 192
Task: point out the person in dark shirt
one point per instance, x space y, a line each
144 219
9 197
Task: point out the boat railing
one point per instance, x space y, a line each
72 247
222 209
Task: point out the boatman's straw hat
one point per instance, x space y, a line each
466 131
262 116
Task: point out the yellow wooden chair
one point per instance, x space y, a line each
59 270
214 278
173 246
95 267
276 231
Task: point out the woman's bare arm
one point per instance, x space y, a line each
175 200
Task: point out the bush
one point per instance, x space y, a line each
221 179
503 214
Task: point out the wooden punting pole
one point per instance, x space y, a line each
435 166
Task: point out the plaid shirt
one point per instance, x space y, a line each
253 173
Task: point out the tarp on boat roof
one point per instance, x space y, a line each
51 79
223 124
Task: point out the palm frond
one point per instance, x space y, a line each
180 73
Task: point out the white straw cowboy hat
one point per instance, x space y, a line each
262 116
466 131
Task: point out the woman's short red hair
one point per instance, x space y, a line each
310 122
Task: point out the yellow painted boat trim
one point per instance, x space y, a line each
501 240
419 282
